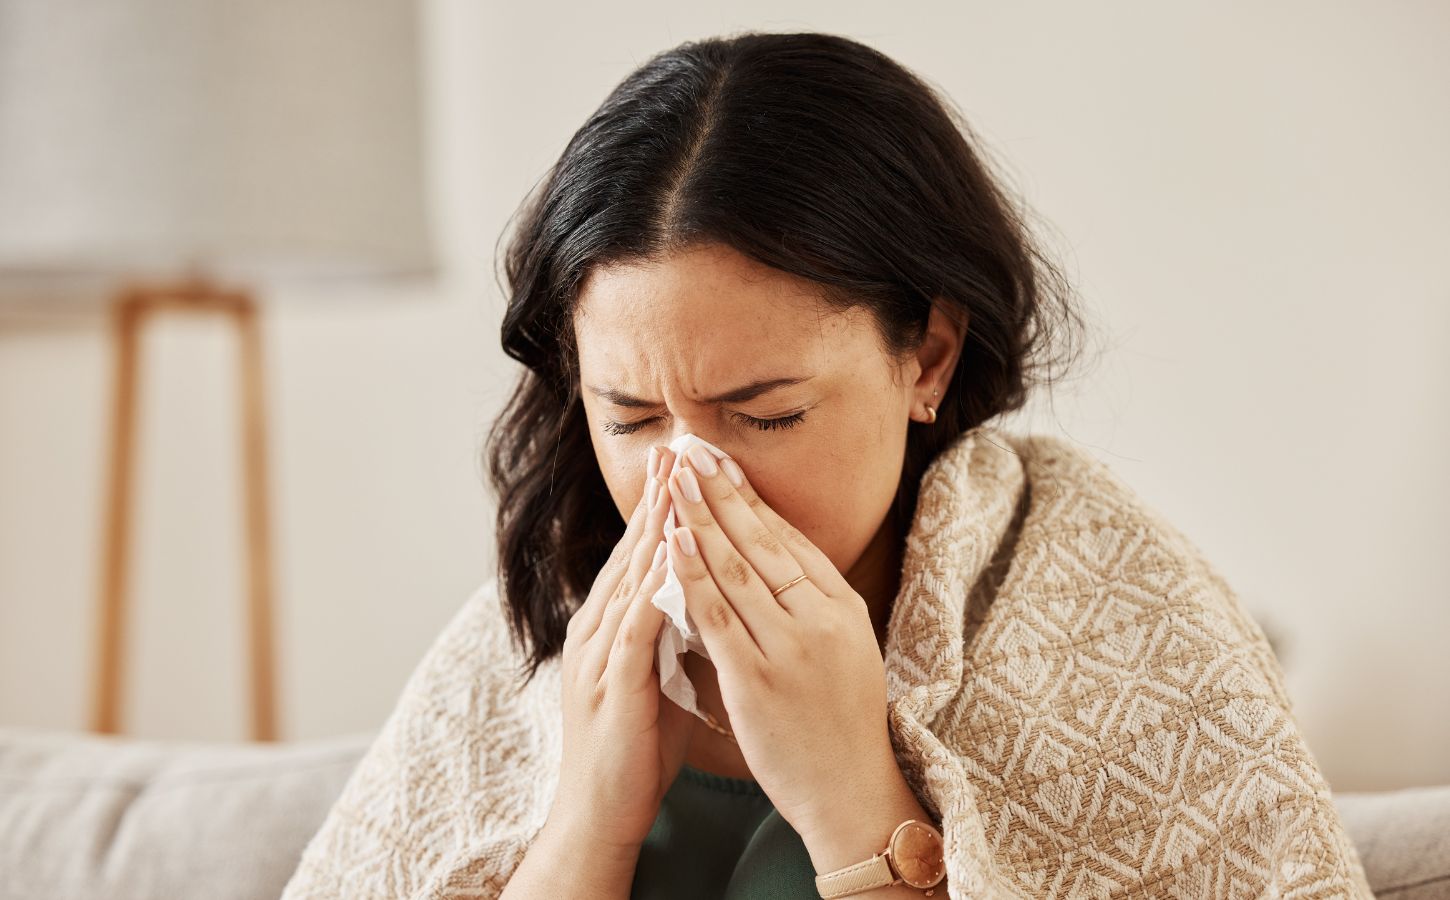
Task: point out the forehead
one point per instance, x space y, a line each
704 314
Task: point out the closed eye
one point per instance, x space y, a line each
789 421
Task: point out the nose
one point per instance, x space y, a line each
681 427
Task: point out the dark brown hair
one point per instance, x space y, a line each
811 153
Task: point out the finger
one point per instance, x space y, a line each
631 656
812 560
639 567
585 620
732 519
733 575
730 643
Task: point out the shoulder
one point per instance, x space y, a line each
476 626
446 765
1113 665
1084 502
1134 582
473 661
1081 487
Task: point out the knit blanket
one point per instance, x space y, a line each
1075 695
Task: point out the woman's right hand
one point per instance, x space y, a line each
624 741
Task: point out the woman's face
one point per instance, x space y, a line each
663 345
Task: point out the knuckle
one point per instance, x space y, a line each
573 640
818 631
765 539
621 547
576 654
718 613
792 535
695 574
762 675
612 566
736 570
627 637
831 628
572 627
804 648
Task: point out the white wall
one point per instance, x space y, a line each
1251 200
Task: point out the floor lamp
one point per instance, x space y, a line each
154 154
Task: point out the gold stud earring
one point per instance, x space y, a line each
931 410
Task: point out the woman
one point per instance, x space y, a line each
976 650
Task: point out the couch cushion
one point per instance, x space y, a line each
1403 839
86 816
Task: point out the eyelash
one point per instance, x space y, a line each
789 421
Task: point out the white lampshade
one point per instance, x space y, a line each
264 140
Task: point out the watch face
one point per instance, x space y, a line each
916 849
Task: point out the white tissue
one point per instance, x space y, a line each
678 635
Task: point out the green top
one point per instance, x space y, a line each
720 838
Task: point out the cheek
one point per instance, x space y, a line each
621 460
624 476
836 497
813 499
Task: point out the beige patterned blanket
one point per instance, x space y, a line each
1075 695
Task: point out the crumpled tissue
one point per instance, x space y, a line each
678 634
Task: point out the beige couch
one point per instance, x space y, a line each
85 817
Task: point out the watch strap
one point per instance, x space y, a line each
863 876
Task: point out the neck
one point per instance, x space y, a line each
876 575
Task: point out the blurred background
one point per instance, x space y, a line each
1250 199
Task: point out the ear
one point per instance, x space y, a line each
937 356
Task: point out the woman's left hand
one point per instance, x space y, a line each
801 674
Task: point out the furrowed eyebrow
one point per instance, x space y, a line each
737 395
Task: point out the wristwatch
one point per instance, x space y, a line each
913 856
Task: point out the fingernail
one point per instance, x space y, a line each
654 460
732 471
659 556
703 460
650 493
690 486
687 540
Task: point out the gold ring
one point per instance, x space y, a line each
800 577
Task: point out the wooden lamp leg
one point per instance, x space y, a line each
259 560
110 669
129 310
